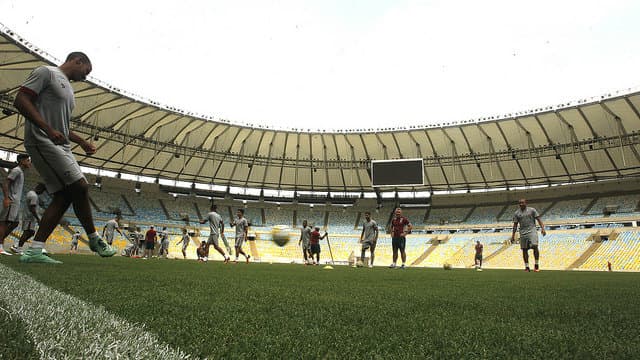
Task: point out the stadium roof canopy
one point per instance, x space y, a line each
591 139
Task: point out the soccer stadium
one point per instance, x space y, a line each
577 163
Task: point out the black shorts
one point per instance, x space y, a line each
149 245
479 257
315 248
399 242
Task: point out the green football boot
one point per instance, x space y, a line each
101 247
36 256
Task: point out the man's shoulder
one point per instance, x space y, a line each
15 172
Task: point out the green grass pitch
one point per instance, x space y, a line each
290 311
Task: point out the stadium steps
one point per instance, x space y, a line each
548 208
195 205
255 254
126 202
230 212
585 256
164 209
464 220
93 203
504 210
497 252
586 210
424 255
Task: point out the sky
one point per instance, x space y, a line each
358 64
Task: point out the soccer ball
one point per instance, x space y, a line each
359 264
447 266
280 235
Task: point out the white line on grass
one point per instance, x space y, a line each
64 327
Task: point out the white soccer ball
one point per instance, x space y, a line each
359 264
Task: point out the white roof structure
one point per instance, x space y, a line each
588 140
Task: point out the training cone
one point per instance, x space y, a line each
328 267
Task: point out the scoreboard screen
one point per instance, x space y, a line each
405 172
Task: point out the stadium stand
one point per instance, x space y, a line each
567 209
279 216
314 217
416 216
484 215
179 205
623 252
343 222
447 215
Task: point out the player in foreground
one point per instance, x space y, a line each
478 256
368 238
526 218
242 226
216 227
12 191
30 217
186 239
400 226
305 236
46 100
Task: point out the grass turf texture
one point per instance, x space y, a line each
260 310
14 340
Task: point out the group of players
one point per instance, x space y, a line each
524 219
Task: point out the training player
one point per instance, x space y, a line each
216 227
305 236
526 217
400 227
30 216
164 243
369 237
46 100
12 191
108 232
314 244
74 242
242 226
478 257
186 239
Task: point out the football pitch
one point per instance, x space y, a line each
213 310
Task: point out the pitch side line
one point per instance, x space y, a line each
64 327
